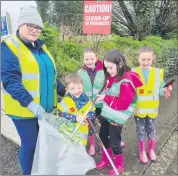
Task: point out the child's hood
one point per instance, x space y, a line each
134 77
99 65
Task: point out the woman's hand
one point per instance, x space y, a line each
167 91
100 97
37 110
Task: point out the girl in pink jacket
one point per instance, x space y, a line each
118 104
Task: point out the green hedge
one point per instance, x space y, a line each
68 54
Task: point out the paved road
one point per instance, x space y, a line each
173 168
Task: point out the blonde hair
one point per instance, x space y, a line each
73 78
145 49
90 50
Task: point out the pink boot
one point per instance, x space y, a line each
104 160
151 148
119 163
91 141
143 156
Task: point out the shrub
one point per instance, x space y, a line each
72 49
50 36
68 54
65 64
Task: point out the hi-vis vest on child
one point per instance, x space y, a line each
148 94
118 116
30 78
68 105
92 91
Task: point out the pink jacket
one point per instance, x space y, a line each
127 92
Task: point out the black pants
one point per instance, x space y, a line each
98 112
111 136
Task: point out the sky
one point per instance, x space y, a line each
13 8
11 5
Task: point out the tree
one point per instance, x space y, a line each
43 8
165 18
68 15
141 18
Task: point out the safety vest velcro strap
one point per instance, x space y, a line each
145 98
83 135
149 110
28 76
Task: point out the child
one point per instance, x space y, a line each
148 102
93 79
75 104
119 103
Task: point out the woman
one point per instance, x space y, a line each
29 82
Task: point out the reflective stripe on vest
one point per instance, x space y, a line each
92 90
66 104
30 78
148 104
156 88
144 98
149 110
117 116
120 117
84 136
27 76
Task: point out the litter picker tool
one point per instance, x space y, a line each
103 147
92 105
171 82
93 128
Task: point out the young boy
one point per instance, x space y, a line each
75 104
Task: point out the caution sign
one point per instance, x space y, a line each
97 17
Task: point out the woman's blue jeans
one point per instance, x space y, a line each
28 132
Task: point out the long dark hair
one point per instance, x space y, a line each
116 57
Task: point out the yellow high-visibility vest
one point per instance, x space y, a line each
68 105
30 78
148 94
